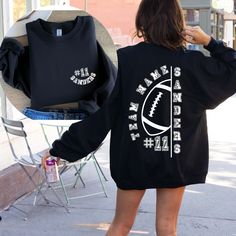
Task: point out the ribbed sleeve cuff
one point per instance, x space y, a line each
213 44
59 150
53 152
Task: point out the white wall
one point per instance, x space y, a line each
229 33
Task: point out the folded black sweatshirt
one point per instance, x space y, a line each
57 69
157 115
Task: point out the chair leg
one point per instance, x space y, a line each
18 209
62 204
64 189
35 185
78 173
95 159
100 179
57 196
39 189
82 181
45 136
59 199
63 185
78 177
48 186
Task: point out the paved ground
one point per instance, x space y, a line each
207 210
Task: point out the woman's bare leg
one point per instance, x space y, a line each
127 203
167 210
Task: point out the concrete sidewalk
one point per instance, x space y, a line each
207 210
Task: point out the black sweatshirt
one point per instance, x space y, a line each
157 115
63 63
63 60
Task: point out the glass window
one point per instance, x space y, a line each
213 31
217 25
19 9
2 102
44 3
213 18
192 16
220 19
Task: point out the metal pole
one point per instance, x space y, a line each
1 21
6 22
28 6
86 5
7 15
3 101
2 94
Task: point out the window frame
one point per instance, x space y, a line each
3 111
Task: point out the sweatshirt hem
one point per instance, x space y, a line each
160 184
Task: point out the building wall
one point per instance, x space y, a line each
229 33
118 16
196 4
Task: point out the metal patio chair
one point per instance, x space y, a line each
33 160
78 166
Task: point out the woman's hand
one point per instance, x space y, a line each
196 35
45 157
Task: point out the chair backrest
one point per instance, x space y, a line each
15 128
12 122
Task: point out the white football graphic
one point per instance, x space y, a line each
156 109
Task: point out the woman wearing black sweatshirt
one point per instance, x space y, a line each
157 115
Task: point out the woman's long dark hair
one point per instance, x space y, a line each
161 22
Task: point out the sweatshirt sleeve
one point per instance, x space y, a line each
214 77
14 64
85 136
